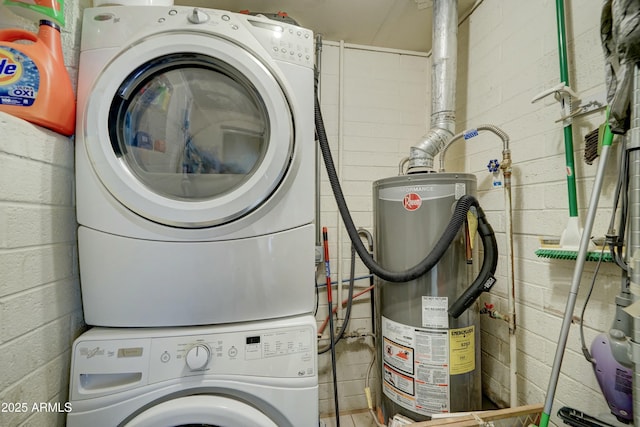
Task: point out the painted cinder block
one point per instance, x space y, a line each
40 306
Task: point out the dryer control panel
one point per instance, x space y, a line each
126 26
285 42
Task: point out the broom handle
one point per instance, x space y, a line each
577 275
568 129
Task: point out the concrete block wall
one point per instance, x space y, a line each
40 305
375 105
508 53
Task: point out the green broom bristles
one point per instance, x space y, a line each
573 255
592 146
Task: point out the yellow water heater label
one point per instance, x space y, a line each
462 350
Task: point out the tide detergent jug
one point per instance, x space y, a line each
34 83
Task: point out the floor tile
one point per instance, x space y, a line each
363 419
345 421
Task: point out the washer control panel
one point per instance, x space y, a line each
282 353
103 363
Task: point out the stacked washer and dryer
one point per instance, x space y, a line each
195 200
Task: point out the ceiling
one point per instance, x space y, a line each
397 24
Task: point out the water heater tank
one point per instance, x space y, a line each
429 362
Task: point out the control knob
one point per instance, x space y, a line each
198 16
197 357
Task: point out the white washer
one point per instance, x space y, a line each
194 167
257 374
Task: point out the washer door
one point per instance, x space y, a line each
203 411
189 130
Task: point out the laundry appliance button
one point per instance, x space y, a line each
198 16
197 357
233 352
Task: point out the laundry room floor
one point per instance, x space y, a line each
357 419
363 418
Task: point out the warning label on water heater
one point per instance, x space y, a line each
463 350
435 312
416 367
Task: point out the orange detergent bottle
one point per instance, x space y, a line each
34 83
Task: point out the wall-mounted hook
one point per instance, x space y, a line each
596 103
559 92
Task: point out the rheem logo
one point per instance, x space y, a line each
412 201
10 69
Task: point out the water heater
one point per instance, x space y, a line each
429 362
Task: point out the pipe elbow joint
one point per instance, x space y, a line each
419 161
421 156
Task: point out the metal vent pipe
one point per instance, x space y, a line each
443 87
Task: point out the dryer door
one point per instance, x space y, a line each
203 411
189 130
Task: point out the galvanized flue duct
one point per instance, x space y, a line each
443 87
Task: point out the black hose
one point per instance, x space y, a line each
616 240
485 280
458 218
347 316
352 284
332 345
369 236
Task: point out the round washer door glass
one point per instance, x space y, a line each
196 137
